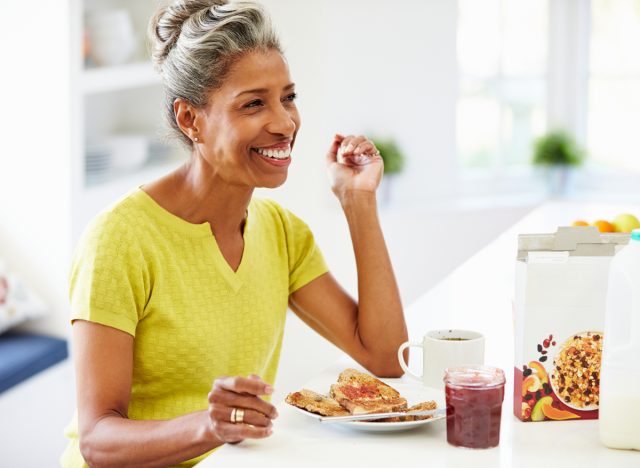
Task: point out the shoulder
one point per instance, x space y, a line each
118 225
267 208
280 223
126 215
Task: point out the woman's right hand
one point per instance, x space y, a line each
240 393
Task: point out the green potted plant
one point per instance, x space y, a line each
394 161
558 154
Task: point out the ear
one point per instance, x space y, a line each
186 117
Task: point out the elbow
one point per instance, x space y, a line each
389 372
98 446
92 455
385 362
386 366
88 453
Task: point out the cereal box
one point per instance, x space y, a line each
560 298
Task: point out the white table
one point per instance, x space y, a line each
476 296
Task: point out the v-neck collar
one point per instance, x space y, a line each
235 278
203 231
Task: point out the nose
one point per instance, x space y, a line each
283 121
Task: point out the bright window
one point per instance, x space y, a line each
502 58
614 84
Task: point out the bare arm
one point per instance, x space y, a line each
104 364
372 329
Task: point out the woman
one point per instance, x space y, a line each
186 280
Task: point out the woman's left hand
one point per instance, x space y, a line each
354 164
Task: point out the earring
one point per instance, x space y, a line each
196 139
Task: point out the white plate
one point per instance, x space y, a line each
413 393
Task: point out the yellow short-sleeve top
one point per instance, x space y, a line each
142 270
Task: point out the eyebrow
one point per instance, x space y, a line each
264 90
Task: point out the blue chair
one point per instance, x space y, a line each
23 355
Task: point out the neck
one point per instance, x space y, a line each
202 196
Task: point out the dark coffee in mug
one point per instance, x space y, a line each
442 349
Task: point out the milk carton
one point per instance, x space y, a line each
620 384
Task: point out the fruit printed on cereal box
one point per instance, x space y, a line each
572 384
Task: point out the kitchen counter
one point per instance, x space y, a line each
476 296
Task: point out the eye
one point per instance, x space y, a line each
254 103
291 97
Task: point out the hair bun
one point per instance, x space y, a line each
166 24
194 44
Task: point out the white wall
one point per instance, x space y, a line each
34 149
374 67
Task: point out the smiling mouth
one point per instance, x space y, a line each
280 154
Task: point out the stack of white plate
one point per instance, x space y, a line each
97 164
159 151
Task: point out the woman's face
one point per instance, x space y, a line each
249 126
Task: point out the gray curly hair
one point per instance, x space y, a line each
195 42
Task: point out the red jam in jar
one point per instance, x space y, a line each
474 405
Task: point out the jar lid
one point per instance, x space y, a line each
474 376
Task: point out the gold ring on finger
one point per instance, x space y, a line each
233 415
239 416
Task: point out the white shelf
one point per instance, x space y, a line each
117 181
111 100
106 79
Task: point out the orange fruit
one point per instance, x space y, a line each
604 226
580 222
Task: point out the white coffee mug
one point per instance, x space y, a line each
442 349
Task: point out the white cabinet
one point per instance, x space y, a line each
118 131
58 111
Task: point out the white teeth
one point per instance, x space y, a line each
275 154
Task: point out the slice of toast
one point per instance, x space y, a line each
425 405
316 403
362 393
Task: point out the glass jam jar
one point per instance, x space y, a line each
474 396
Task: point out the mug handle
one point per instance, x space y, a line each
402 347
